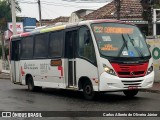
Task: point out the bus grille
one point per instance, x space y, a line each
130 70
128 83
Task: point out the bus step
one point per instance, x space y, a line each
19 83
72 88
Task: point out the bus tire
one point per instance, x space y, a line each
88 91
30 83
130 93
31 86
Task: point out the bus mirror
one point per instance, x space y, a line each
149 46
56 62
144 36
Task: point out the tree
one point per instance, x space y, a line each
5 16
148 5
5 13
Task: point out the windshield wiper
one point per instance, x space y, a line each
137 49
124 45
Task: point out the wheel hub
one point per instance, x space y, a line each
88 89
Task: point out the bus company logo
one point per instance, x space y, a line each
6 114
25 66
132 73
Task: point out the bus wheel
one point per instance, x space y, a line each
130 93
88 91
30 84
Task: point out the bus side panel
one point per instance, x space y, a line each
43 73
86 69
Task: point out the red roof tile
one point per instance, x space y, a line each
130 9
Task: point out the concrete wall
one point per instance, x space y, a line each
155 51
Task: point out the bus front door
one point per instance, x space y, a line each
15 62
70 43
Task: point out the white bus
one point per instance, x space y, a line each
93 56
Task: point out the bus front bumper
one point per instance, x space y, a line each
114 83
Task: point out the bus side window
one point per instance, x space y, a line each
27 48
85 47
56 44
71 39
41 45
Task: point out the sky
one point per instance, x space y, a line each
54 8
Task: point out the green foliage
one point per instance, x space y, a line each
147 8
5 13
156 6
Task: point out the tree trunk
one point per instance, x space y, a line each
2 42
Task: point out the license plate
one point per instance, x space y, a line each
132 87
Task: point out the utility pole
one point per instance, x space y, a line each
13 17
40 16
118 7
154 22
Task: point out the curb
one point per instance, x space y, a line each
5 78
4 75
150 90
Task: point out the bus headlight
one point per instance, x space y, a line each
150 69
109 70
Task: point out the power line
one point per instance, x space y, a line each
23 1
43 3
29 2
66 5
47 2
87 1
26 1
56 4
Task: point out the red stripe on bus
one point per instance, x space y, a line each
22 72
25 34
130 70
61 69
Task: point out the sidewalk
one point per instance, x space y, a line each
4 75
154 89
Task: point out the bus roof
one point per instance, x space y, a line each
61 27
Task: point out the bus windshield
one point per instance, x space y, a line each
120 40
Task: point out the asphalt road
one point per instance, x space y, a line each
18 98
